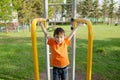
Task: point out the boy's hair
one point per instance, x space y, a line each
58 31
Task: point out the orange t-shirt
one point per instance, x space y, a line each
59 53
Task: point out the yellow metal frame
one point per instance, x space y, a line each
34 45
90 45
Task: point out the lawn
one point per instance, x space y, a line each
16 61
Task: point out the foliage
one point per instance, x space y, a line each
111 8
68 9
118 14
64 10
104 9
28 9
84 8
88 8
6 10
110 11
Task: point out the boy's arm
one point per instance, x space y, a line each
72 33
45 32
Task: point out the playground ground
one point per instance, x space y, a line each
17 61
78 76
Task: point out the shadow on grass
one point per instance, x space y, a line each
105 65
17 58
16 55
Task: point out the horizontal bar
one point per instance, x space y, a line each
59 4
59 21
39 20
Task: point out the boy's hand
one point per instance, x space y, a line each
73 32
45 31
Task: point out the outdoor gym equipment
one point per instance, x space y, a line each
90 45
74 24
34 45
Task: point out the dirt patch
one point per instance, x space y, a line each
78 76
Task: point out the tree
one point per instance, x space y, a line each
105 9
6 11
118 14
54 9
68 9
79 8
85 8
110 11
60 8
28 9
95 11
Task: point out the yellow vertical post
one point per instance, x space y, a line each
90 45
34 46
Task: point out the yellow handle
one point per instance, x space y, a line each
34 46
90 45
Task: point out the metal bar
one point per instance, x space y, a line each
46 8
46 46
73 41
73 9
59 21
59 4
90 46
34 46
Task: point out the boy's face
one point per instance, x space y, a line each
59 38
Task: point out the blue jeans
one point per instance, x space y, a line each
60 73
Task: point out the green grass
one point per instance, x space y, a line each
16 61
106 48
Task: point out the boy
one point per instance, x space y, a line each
59 54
